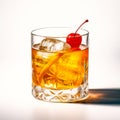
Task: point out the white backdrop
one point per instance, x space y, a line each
19 17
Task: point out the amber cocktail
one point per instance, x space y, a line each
59 71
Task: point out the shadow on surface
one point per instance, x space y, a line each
103 96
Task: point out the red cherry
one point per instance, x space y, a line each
75 39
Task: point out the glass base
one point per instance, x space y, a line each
69 95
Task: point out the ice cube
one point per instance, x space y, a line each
53 45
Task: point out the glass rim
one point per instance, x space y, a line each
40 35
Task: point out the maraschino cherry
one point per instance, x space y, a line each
75 39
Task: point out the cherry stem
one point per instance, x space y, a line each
81 25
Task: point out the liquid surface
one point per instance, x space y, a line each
59 70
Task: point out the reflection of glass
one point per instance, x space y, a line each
104 96
59 73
